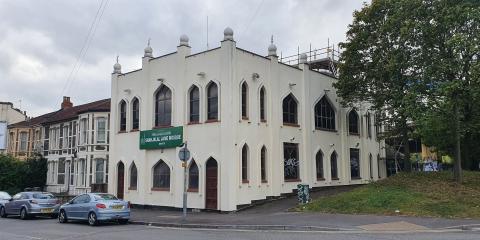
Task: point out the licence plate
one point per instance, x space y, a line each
46 210
117 206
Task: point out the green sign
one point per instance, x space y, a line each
161 138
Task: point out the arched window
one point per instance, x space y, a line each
161 176
245 163
319 165
212 101
135 114
289 106
370 164
263 164
324 115
244 100
163 107
133 177
194 100
368 119
263 116
378 166
123 116
353 122
193 177
334 166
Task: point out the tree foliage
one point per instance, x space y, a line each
16 175
416 61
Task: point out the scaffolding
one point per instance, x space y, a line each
320 59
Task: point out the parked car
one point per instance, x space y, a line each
29 204
95 208
4 197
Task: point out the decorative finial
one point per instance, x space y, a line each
117 68
148 51
228 34
184 40
148 43
271 40
272 49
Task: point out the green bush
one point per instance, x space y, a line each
16 175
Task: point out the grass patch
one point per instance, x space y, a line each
432 194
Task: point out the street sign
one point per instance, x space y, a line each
161 138
184 154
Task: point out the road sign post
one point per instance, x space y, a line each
184 155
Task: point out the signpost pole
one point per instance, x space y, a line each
185 187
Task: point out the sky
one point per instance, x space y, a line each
55 48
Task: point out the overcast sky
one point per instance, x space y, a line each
40 41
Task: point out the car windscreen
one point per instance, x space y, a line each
43 196
105 197
4 195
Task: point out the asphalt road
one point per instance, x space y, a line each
13 228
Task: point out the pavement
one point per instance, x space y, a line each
275 215
13 228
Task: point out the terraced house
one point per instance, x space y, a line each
256 126
75 142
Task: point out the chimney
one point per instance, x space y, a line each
66 103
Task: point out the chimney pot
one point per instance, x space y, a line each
66 103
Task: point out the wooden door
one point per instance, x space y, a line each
211 185
120 180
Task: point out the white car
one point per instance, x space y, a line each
4 197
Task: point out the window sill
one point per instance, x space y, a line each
354 134
326 129
132 188
161 126
245 181
292 180
356 178
193 190
291 125
134 130
212 121
321 179
123 131
263 120
264 181
160 189
335 179
193 123
245 118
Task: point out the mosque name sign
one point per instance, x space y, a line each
161 138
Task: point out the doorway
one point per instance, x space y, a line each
120 180
211 184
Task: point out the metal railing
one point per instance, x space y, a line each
312 55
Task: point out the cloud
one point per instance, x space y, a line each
42 39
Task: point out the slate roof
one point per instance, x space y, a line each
65 114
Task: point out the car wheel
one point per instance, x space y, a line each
62 217
123 221
23 214
92 219
3 214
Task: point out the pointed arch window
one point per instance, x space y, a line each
263 116
163 107
368 119
289 106
135 114
123 116
334 166
133 177
244 100
263 164
161 176
212 101
324 115
245 163
194 101
370 164
193 177
319 166
353 122
378 166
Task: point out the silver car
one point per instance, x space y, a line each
29 204
95 208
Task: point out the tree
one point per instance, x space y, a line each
16 175
416 61
377 65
